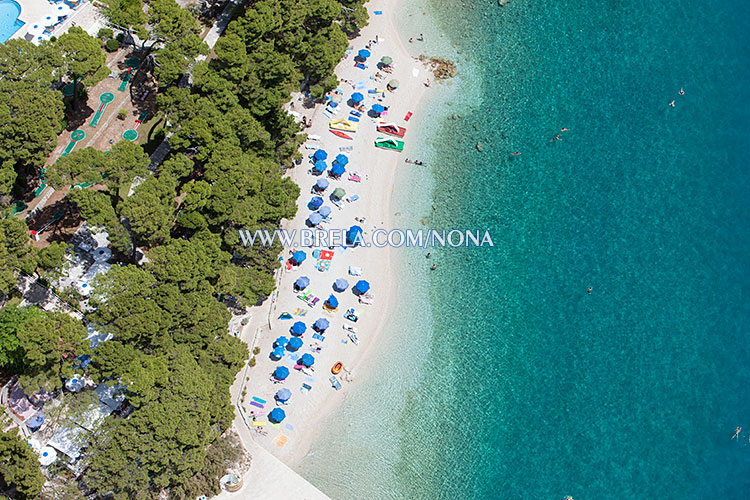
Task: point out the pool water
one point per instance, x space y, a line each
9 23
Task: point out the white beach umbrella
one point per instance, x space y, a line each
47 455
60 11
35 30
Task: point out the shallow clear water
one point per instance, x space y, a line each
522 385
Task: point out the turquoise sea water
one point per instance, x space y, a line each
514 382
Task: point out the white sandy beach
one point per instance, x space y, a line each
290 440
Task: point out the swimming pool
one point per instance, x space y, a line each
9 23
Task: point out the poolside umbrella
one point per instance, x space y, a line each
364 53
315 218
277 415
281 372
354 235
315 203
299 257
294 344
281 341
338 193
307 360
283 395
322 184
325 211
35 30
343 159
337 170
298 328
320 155
378 108
302 282
320 166
362 286
386 60
321 324
340 285
394 84
332 302
277 353
357 97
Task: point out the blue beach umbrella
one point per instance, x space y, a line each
315 218
280 342
283 395
299 257
277 415
320 166
320 155
332 302
322 184
357 97
321 324
281 372
277 353
362 286
343 159
325 211
307 360
337 170
295 343
378 108
364 53
298 328
340 285
354 235
302 282
315 203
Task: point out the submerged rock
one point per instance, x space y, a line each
502 2
480 146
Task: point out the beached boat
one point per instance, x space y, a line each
392 129
392 144
344 124
337 368
341 134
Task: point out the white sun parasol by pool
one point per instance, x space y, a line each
47 455
61 10
35 30
35 445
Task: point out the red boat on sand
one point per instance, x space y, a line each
341 134
392 129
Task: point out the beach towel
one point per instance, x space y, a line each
326 254
378 12
289 426
300 312
355 271
294 356
360 85
415 72
256 404
257 423
408 115
353 119
372 91
280 440
355 113
257 399
310 379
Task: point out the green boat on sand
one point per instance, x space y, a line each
389 143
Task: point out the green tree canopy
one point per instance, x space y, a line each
11 351
19 466
150 210
170 21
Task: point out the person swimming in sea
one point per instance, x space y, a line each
737 433
589 290
682 91
672 103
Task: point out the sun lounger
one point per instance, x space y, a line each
352 199
353 119
338 204
308 298
355 113
305 388
335 383
313 137
355 271
311 146
360 66
318 336
366 299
